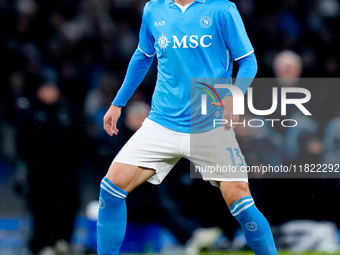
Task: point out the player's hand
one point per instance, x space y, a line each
227 104
110 120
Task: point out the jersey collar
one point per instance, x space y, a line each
172 1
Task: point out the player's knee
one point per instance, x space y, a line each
110 195
117 177
128 177
234 191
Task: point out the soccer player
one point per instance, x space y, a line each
190 38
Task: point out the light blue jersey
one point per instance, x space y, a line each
199 41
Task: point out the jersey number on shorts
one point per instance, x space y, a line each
235 152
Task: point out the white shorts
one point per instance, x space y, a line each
215 154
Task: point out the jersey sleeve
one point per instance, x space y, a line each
234 34
246 72
146 39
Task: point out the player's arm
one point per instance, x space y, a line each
239 45
137 69
245 75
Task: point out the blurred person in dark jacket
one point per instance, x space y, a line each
48 141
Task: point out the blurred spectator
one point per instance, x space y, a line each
100 148
287 67
100 97
260 145
332 142
287 70
17 101
72 84
49 139
136 112
302 143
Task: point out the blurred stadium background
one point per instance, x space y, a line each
61 63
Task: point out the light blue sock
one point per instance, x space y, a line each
111 223
255 226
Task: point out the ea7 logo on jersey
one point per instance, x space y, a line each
159 23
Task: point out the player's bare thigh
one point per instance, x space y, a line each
234 191
128 177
